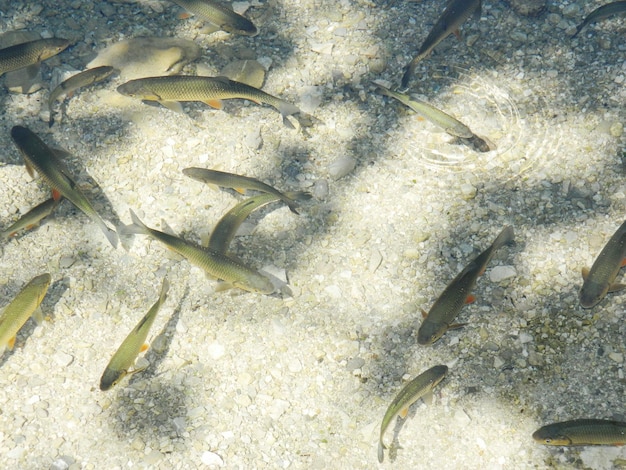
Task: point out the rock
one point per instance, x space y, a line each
341 167
249 72
212 459
501 273
148 56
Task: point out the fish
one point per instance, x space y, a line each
22 55
410 393
231 180
219 15
226 228
599 280
582 432
43 159
457 293
124 358
454 15
171 90
217 265
451 125
602 12
85 78
25 304
31 218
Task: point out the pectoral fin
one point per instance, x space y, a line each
403 412
469 299
585 273
11 343
616 287
456 326
172 105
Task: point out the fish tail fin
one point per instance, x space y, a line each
408 72
109 233
287 109
164 289
137 226
506 237
381 452
291 198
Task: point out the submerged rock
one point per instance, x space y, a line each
148 56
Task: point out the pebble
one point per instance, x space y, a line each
617 357
616 129
341 167
501 273
211 459
63 359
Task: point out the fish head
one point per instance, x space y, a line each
551 437
137 89
54 46
429 332
591 293
110 378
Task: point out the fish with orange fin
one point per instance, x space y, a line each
124 358
600 279
445 309
455 14
38 156
31 218
413 391
25 304
171 90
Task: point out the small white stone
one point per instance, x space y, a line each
500 273
341 167
617 357
216 350
212 459
525 338
63 359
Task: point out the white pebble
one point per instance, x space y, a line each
617 357
341 167
216 350
63 359
500 273
211 458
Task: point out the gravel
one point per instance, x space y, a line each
238 380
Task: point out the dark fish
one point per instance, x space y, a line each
29 53
602 12
40 157
450 21
599 280
87 77
456 294
582 432
219 15
171 90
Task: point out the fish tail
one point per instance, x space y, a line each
137 226
381 452
287 109
506 237
164 289
408 72
109 233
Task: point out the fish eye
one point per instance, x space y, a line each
547 440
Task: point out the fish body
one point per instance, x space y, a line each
602 12
454 15
21 308
451 301
40 157
599 280
219 15
215 264
28 53
87 77
31 218
123 359
226 228
231 180
210 90
582 432
412 391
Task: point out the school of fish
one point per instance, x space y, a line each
217 259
